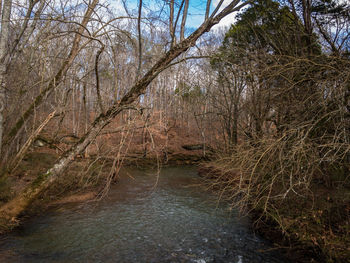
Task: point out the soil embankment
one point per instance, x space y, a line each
308 229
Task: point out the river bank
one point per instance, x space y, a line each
146 217
309 230
86 179
305 229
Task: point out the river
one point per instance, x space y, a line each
145 218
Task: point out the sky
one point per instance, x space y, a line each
195 13
198 7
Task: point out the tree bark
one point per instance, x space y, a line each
171 23
139 49
183 22
5 27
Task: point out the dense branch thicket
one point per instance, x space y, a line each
283 74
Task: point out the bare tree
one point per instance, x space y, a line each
58 77
23 199
4 37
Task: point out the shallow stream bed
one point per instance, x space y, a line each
145 218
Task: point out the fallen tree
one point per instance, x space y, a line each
11 210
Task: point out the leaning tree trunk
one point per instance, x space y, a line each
15 207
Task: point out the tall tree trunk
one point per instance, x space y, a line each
183 22
139 49
171 23
56 80
4 36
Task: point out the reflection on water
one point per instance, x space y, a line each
143 219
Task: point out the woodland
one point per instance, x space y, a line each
261 106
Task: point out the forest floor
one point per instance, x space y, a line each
313 229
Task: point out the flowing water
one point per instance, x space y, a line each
145 218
